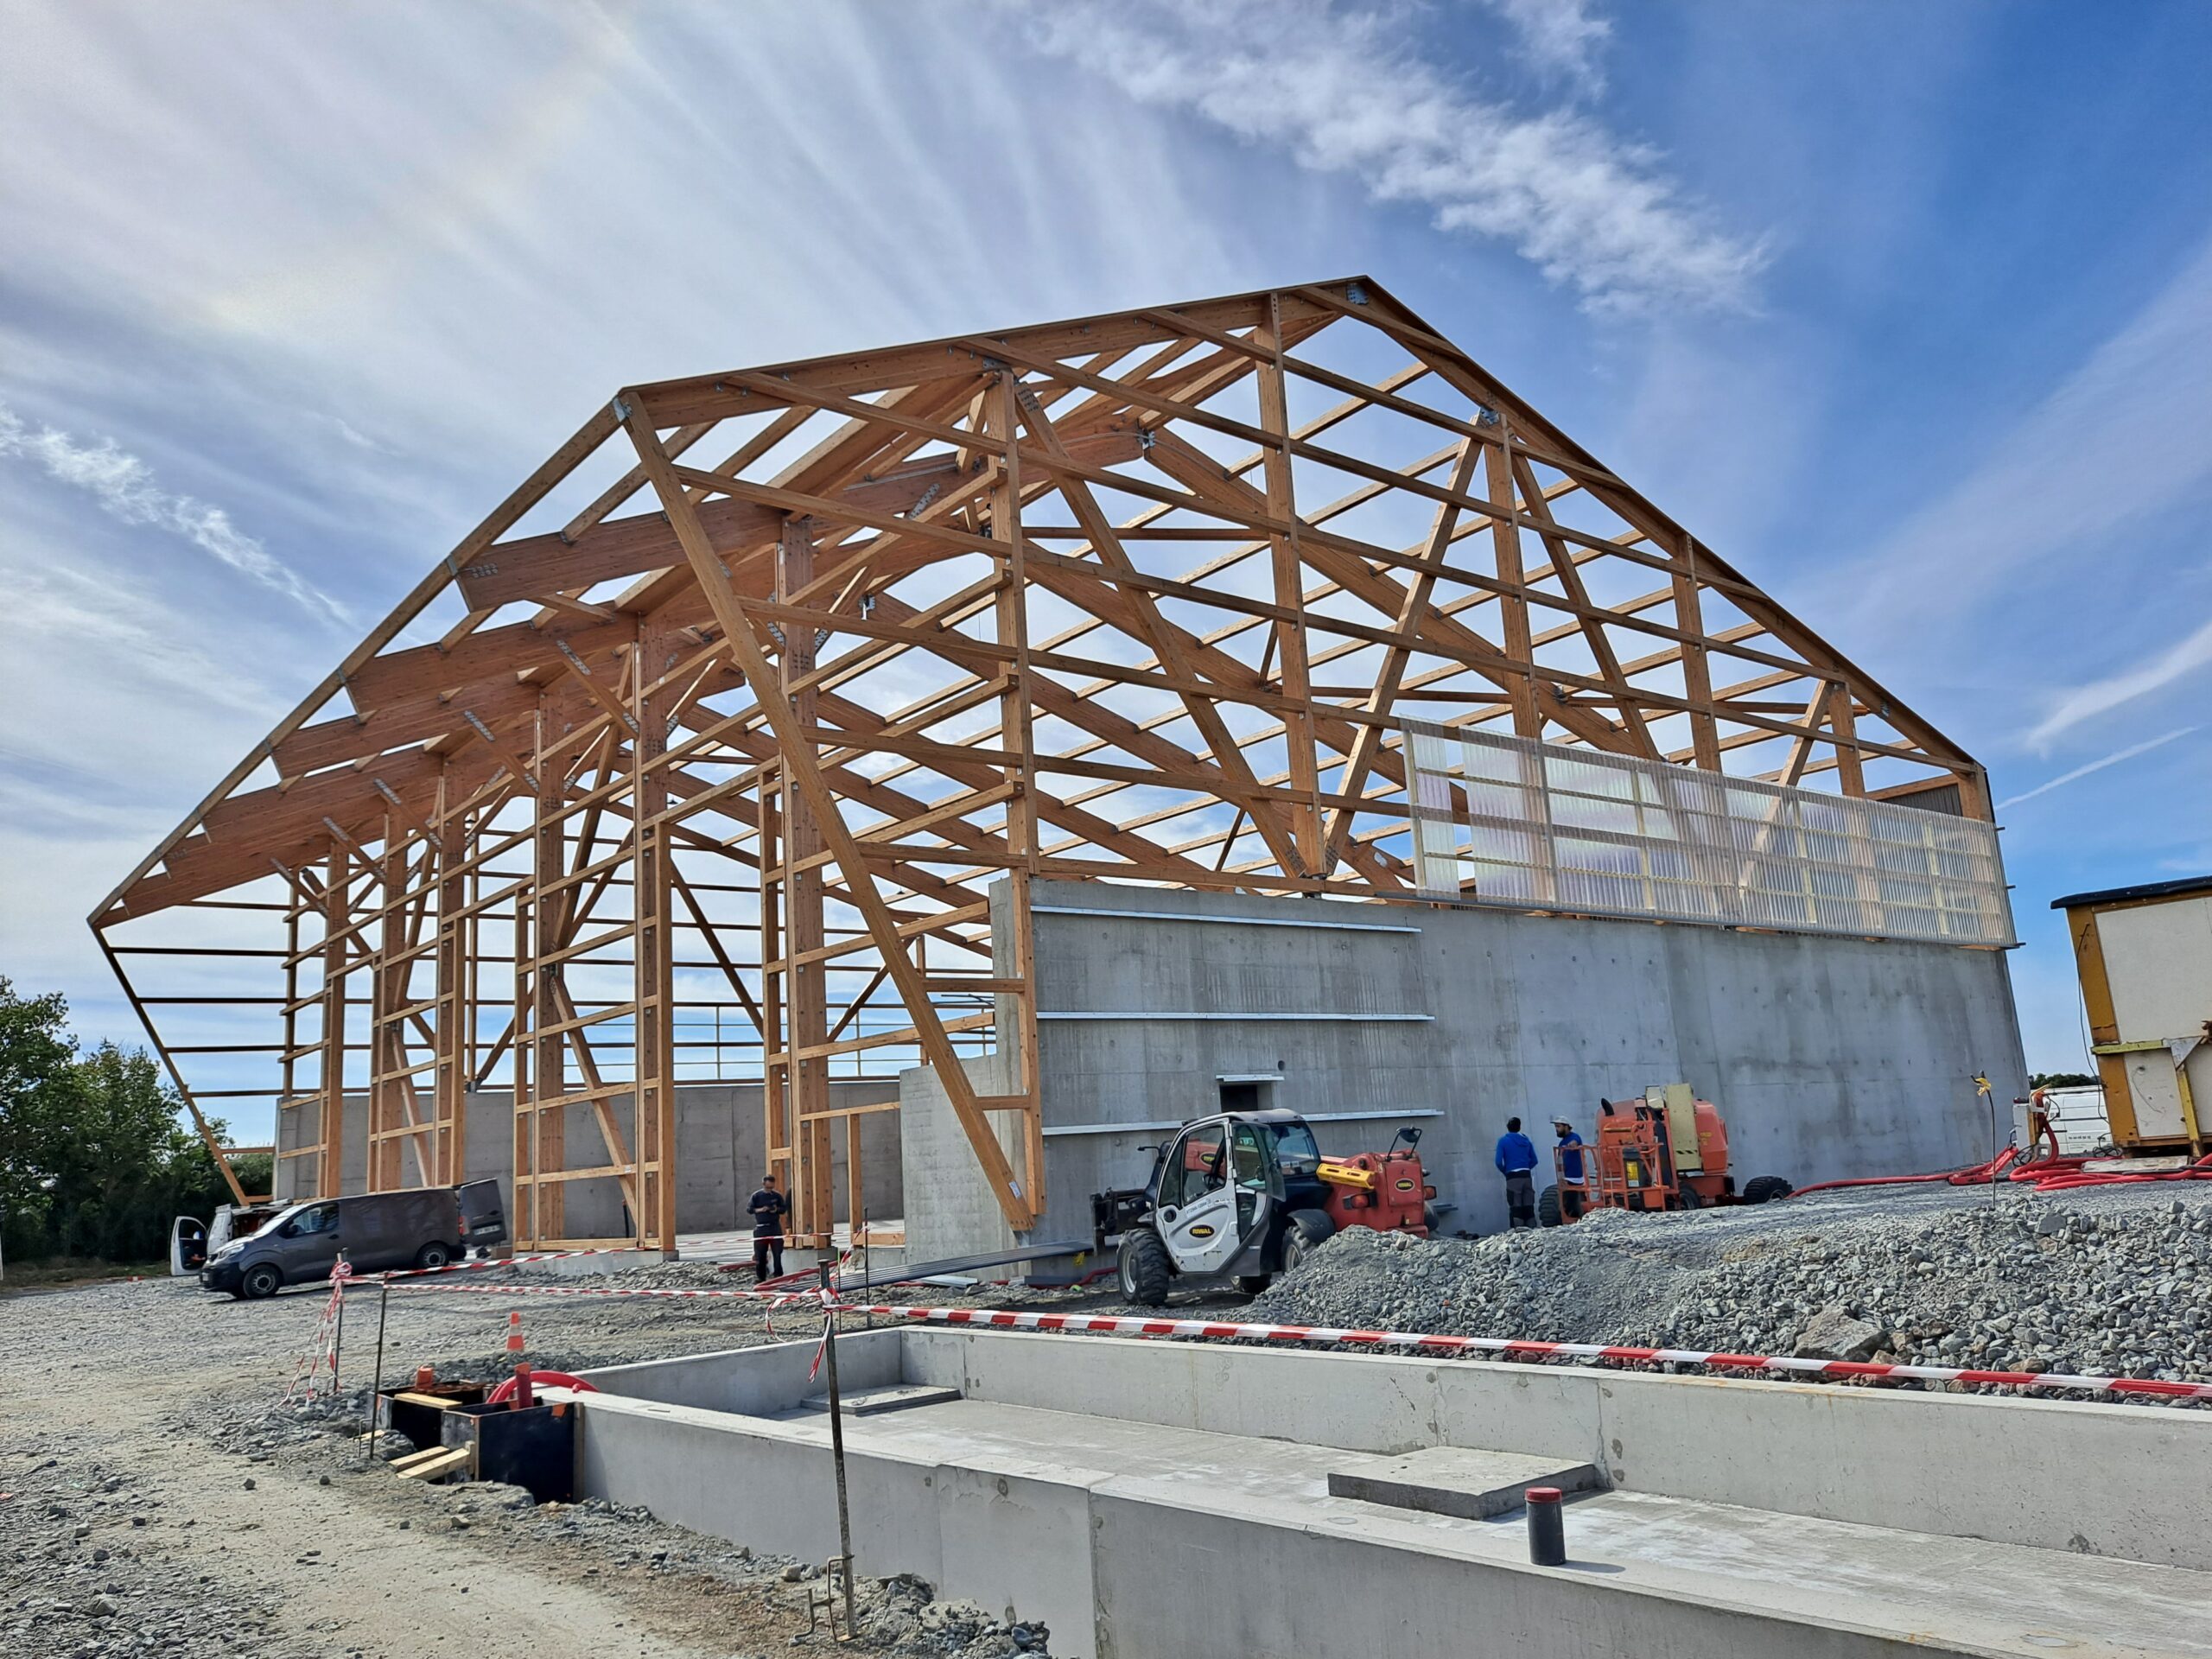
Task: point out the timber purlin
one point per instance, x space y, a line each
1142 597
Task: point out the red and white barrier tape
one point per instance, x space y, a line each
1511 1348
324 1349
812 1297
397 1274
1517 1349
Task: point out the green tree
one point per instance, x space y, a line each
94 1160
119 1168
38 1083
2061 1080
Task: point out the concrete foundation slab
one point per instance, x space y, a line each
1456 1480
1150 1498
897 1396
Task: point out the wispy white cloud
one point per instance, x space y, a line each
2085 702
1346 92
123 485
2120 439
2112 759
1559 38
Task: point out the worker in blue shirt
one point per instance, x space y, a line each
1569 1154
1517 1156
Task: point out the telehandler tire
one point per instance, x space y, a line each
1144 1269
1763 1189
1253 1283
1308 1230
1548 1213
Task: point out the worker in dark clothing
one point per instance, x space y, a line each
1570 1169
769 1207
1517 1156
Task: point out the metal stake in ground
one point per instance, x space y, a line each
837 1447
376 1390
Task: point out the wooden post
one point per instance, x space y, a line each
1016 1010
776 1141
855 1188
812 1202
337 913
454 1012
388 1038
288 1097
653 1095
547 1126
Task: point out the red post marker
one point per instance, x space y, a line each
524 1398
1547 1526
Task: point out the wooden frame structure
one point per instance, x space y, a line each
739 703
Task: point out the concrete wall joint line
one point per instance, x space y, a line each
1216 1014
1166 1123
1226 921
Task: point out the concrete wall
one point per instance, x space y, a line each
1121 1561
1828 1057
1878 1457
720 1154
950 1210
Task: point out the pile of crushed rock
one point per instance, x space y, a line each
2025 1283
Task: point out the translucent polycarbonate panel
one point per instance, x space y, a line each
1507 821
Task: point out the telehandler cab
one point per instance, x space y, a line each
1248 1195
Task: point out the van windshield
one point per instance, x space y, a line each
277 1220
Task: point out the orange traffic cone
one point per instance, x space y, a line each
514 1332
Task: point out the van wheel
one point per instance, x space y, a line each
264 1278
1144 1267
433 1256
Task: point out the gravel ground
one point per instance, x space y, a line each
157 1498
2115 1280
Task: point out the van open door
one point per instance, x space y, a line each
187 1246
483 1216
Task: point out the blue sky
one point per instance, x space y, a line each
1906 309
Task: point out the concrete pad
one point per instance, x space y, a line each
870 1403
1456 1480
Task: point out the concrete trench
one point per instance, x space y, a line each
1150 1498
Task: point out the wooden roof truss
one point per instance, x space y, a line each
739 704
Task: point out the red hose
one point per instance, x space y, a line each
2073 1177
1973 1175
2008 1163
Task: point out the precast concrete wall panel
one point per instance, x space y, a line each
1829 1056
720 1153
